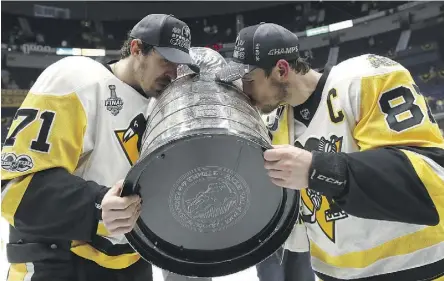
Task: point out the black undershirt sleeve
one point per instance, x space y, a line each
59 205
376 184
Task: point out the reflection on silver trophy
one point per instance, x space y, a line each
197 104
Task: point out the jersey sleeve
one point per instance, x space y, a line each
40 194
392 111
398 174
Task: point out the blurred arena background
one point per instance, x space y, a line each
34 35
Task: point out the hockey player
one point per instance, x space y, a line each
74 138
361 144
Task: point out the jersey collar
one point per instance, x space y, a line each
304 112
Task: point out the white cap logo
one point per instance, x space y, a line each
186 32
181 37
239 42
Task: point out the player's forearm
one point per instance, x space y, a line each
375 184
59 205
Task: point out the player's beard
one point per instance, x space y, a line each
142 77
154 91
280 96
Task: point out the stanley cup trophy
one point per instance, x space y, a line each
209 208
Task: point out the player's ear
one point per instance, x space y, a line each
136 47
283 69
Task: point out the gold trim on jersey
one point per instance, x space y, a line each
88 252
20 272
101 230
13 195
281 126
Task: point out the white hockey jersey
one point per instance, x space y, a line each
361 107
80 117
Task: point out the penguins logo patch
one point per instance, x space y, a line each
130 139
322 210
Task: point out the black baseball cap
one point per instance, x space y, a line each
169 36
260 45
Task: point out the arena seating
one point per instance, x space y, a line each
215 30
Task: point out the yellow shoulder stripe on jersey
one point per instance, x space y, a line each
433 180
13 194
392 112
58 123
101 230
20 272
281 135
88 252
423 239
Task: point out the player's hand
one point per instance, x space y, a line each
119 214
288 166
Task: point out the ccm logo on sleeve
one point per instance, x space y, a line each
327 179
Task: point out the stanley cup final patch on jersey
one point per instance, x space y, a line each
130 139
113 104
